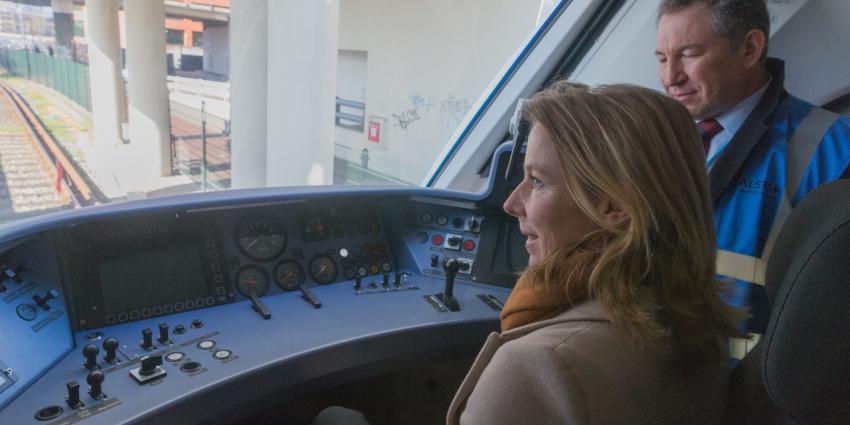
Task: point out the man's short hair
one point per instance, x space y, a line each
731 19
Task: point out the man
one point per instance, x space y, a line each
765 148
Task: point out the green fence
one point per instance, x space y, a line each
63 75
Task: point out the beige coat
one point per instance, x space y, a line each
576 368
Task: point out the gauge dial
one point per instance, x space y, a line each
323 269
288 275
260 238
252 279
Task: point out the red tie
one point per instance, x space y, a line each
707 129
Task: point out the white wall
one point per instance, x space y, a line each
427 63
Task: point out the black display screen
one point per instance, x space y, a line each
150 278
133 269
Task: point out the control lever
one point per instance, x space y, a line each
73 398
163 333
95 379
259 306
150 368
110 345
309 296
451 267
90 353
386 281
358 283
42 301
397 279
147 339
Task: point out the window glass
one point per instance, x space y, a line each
407 75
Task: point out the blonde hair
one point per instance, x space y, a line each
654 273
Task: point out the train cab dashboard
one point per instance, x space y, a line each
192 308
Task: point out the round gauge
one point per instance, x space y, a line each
323 269
260 238
288 275
252 280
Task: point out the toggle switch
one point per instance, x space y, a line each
163 333
42 301
147 339
73 398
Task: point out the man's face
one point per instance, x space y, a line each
697 66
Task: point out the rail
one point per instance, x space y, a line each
53 158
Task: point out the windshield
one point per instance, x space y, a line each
105 101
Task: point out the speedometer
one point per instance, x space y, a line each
252 280
260 238
323 269
288 275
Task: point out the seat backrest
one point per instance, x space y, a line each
799 372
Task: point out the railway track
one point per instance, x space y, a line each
36 174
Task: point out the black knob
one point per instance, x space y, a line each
73 398
197 323
149 364
358 282
386 282
163 333
110 345
179 329
451 267
95 379
90 353
147 339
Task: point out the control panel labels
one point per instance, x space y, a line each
87 412
54 314
26 289
7 377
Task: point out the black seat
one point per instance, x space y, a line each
799 372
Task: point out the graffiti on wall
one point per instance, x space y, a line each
451 111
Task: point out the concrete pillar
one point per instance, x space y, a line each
248 108
301 91
148 109
107 85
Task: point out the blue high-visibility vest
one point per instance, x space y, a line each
745 211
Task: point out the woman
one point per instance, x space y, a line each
617 318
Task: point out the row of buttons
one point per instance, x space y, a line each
457 222
449 241
159 310
215 267
207 344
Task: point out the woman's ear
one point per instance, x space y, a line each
612 213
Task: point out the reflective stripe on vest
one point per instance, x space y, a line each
801 147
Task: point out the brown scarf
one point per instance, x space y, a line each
532 299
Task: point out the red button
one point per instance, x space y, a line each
437 240
469 244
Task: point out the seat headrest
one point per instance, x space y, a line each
806 358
